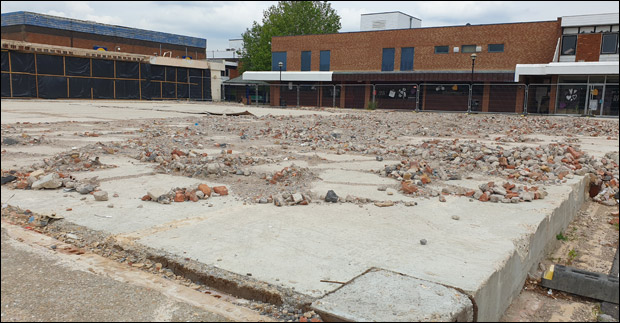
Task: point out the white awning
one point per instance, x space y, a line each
288 76
569 68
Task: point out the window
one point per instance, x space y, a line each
277 57
306 57
324 60
570 30
406 59
468 49
609 44
569 44
442 49
387 64
602 29
496 48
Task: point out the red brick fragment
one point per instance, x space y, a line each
221 190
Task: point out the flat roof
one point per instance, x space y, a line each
381 13
91 27
567 68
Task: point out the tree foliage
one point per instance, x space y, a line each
287 18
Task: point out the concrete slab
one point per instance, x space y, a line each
486 254
101 110
384 296
492 245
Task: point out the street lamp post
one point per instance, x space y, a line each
471 83
280 64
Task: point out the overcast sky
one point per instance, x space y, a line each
218 21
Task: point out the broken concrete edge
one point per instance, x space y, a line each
330 317
219 279
497 291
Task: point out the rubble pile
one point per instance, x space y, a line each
178 194
505 147
41 179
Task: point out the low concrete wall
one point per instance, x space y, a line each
494 297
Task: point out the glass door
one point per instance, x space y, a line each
595 99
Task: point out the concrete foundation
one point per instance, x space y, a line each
486 254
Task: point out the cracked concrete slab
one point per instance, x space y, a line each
384 296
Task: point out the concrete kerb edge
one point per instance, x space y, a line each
222 280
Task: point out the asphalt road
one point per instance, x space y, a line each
39 284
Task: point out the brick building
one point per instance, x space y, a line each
45 29
433 68
45 56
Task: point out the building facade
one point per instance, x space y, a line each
45 29
457 68
53 57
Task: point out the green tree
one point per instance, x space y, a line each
288 18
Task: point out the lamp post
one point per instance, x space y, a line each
280 64
471 83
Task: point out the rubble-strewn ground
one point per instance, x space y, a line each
287 160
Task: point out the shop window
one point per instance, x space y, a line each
387 63
442 49
609 44
496 48
569 44
468 49
306 57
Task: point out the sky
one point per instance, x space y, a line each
219 21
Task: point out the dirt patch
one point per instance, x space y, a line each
588 243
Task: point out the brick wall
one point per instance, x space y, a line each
588 47
524 43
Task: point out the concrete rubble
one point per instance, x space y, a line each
525 169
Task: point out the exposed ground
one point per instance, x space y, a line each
68 158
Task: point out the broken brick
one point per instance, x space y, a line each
205 189
221 190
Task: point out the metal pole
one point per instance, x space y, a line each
525 100
334 97
256 94
298 95
417 98
471 83
469 99
373 93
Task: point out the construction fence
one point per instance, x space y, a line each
561 99
47 76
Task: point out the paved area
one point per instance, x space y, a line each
483 249
41 284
